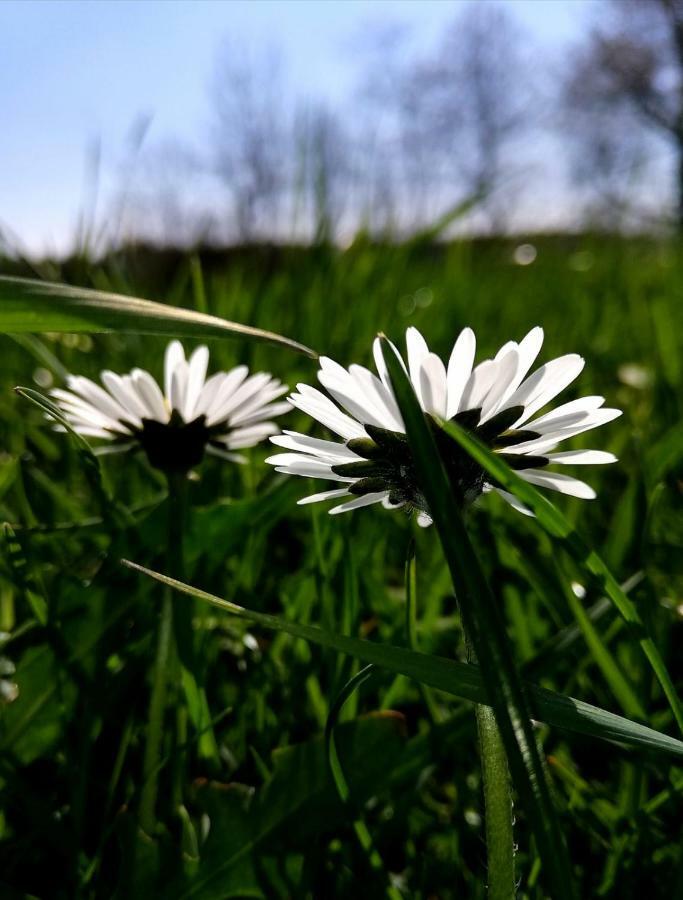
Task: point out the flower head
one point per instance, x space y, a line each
497 400
194 414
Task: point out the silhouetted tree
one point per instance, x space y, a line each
464 107
323 186
251 139
625 96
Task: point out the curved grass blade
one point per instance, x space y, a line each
455 678
557 525
340 782
485 628
35 306
411 627
621 687
113 511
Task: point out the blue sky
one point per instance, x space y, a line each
74 72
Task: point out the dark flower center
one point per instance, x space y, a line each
174 446
387 462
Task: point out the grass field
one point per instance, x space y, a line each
247 803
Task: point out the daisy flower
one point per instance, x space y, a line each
498 400
194 414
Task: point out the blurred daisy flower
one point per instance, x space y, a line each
194 414
497 400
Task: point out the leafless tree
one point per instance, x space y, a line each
624 96
461 110
251 139
325 166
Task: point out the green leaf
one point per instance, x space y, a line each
39 695
342 785
455 678
24 578
113 512
35 306
290 807
621 687
485 629
557 525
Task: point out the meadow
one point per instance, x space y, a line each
250 776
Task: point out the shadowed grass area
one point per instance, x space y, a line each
260 816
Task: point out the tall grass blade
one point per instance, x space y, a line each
455 678
35 306
339 778
558 526
484 625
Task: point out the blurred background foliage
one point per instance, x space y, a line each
329 239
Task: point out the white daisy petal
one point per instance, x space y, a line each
149 393
173 357
545 384
527 351
241 438
554 481
507 368
197 366
582 458
388 503
358 502
176 397
312 468
86 430
573 408
257 403
478 385
513 501
505 349
460 369
97 396
208 393
69 398
433 385
231 382
350 395
382 398
324 495
78 409
417 351
124 393
329 450
260 413
548 441
381 365
317 405
231 402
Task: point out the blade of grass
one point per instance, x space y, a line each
557 525
455 678
340 782
113 512
622 689
485 629
36 306
411 627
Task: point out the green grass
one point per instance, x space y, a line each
256 814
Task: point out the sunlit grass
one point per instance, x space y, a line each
73 739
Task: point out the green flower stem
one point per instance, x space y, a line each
497 807
165 656
500 848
